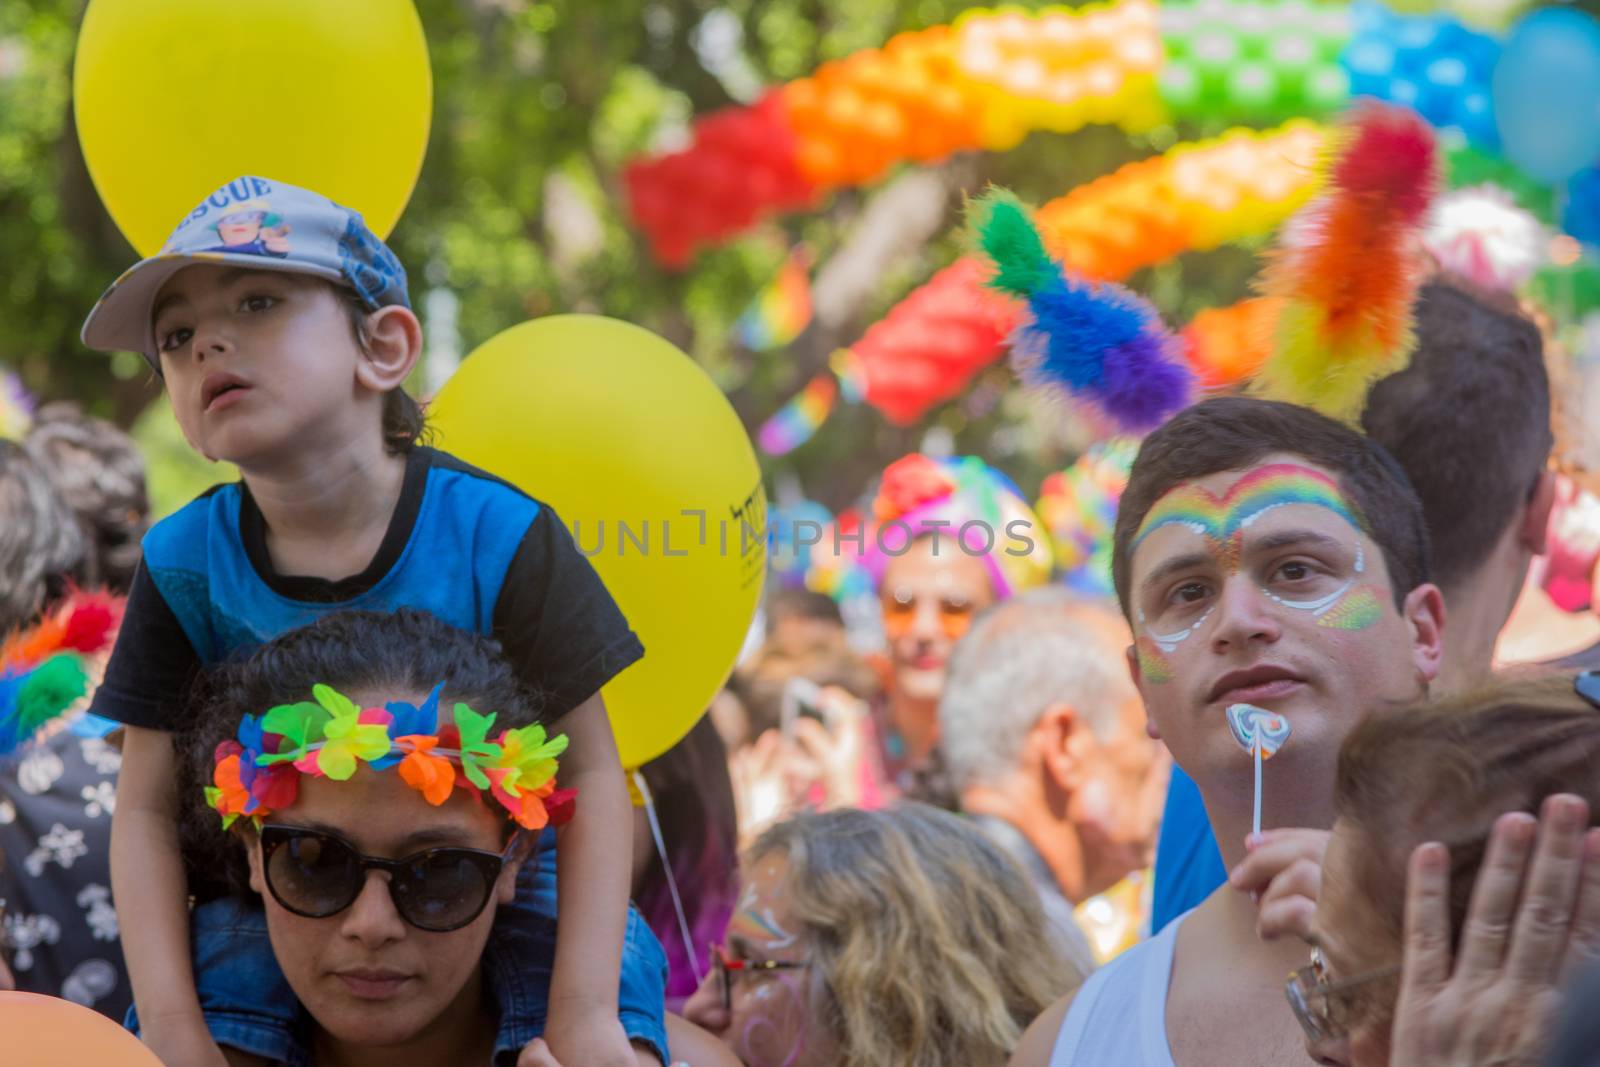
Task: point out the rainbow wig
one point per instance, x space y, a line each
961 497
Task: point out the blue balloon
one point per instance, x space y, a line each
1475 116
1581 218
1370 63
1547 94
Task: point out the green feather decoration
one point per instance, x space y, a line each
51 688
1007 235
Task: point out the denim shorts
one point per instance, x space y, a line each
248 1004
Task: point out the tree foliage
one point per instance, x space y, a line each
519 213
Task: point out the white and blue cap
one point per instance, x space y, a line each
259 224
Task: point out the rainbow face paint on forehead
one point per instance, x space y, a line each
1223 519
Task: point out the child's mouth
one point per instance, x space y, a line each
222 390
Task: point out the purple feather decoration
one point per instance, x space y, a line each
1091 342
1101 343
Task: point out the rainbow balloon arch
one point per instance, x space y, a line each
993 76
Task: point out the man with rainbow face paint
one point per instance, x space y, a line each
1263 555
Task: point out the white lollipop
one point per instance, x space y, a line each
1261 733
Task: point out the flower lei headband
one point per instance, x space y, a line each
260 772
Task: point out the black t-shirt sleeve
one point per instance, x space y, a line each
153 664
558 624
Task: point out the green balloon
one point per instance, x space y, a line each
1253 88
1326 89
1180 86
1215 51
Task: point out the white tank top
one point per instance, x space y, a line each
1120 1014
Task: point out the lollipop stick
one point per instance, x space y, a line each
1255 738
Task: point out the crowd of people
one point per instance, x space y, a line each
348 762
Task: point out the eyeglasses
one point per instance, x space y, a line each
726 965
900 611
1327 1009
318 875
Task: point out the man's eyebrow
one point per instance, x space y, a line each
1163 571
1291 538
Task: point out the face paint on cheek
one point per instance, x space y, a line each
764 921
1151 648
1349 607
774 1030
1358 611
1153 666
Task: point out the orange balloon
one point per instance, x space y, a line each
48 1032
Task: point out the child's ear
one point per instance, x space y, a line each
394 344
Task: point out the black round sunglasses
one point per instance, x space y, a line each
318 875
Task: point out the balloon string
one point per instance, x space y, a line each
672 881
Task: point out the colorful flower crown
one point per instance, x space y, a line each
260 772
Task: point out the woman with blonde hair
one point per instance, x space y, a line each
894 938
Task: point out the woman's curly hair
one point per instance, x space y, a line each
403 653
928 946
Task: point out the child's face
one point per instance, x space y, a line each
366 975
259 365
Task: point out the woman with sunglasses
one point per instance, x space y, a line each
1461 885
947 539
384 784
894 938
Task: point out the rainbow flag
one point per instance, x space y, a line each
782 309
795 422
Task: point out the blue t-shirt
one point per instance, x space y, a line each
470 549
1188 865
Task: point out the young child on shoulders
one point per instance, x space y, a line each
286 357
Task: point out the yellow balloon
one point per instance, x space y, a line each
647 465
174 98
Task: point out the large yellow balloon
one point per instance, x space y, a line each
41 1031
646 463
174 98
